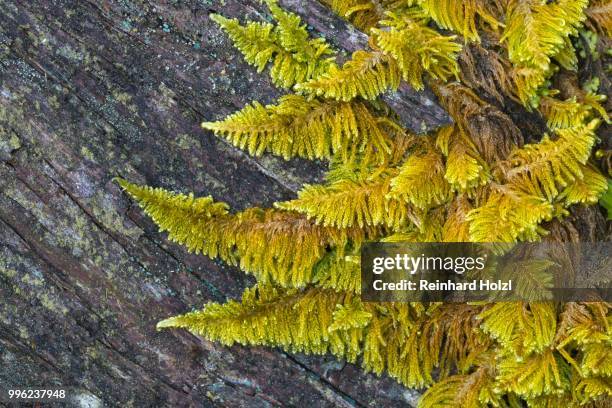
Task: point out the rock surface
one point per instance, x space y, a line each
90 90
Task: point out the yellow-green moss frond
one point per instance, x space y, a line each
315 320
296 320
340 272
421 181
584 339
535 31
418 49
348 203
594 389
366 14
293 37
529 81
407 50
403 353
508 216
573 111
563 114
293 244
583 323
407 359
594 102
420 339
295 58
586 190
179 214
465 169
521 327
597 359
566 57
350 316
363 14
599 13
459 16
306 128
539 171
540 374
473 390
541 167
367 74
256 41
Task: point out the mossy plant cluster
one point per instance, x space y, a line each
480 179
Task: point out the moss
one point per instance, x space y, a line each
436 188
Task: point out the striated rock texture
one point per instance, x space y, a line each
93 89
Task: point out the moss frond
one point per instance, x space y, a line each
294 38
598 389
297 126
472 390
535 376
508 216
529 82
459 16
256 41
522 327
367 14
563 114
339 271
582 323
535 32
276 317
350 316
363 14
405 50
348 203
540 168
586 190
294 244
597 359
465 169
177 213
295 57
537 175
418 50
421 181
318 321
367 74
